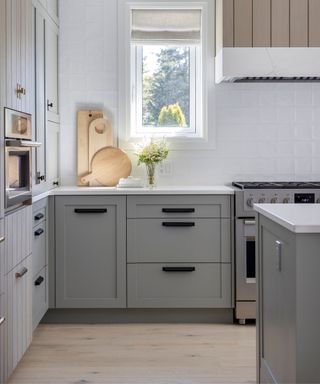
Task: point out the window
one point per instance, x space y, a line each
166 72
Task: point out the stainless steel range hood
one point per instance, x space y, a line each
268 65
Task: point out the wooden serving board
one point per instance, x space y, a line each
108 166
85 119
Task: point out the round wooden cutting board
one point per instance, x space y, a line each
108 166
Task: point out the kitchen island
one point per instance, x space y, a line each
288 315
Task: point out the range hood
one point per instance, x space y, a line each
267 65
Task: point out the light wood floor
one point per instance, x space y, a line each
139 354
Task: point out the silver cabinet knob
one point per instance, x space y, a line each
250 202
274 200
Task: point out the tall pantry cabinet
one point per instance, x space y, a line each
47 128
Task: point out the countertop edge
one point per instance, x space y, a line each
64 191
285 222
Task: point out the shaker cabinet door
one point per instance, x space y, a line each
90 252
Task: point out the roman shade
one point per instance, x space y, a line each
170 25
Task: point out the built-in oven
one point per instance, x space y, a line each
18 175
18 157
246 269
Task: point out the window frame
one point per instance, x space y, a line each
206 138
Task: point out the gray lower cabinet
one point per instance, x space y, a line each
179 252
179 285
90 251
39 297
40 261
19 309
18 285
288 305
3 338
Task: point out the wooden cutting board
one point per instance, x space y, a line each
108 166
100 136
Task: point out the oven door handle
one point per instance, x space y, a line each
32 144
249 222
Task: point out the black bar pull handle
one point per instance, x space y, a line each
179 224
90 210
39 281
39 232
178 210
39 216
178 269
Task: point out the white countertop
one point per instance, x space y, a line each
298 218
170 190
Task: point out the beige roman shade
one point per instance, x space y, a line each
175 25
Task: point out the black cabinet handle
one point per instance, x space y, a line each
56 183
39 232
39 216
178 224
178 269
39 281
49 105
178 210
90 210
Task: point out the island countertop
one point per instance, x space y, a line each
298 218
165 190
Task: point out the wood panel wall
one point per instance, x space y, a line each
269 23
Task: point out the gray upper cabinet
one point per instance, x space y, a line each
267 23
52 48
46 166
19 60
90 252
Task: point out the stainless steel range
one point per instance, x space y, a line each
247 194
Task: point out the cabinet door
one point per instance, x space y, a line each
19 302
3 339
52 36
41 105
19 55
90 252
52 154
277 302
2 256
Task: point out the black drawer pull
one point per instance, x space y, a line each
39 232
39 281
22 273
90 210
178 224
178 269
39 216
178 210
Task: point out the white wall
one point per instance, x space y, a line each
263 131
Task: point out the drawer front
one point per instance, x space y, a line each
178 206
19 302
185 286
39 246
40 297
178 240
39 212
18 233
2 257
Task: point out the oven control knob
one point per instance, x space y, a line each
318 201
250 202
286 200
274 200
262 200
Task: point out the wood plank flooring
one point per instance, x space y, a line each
139 354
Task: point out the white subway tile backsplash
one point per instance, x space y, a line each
264 131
